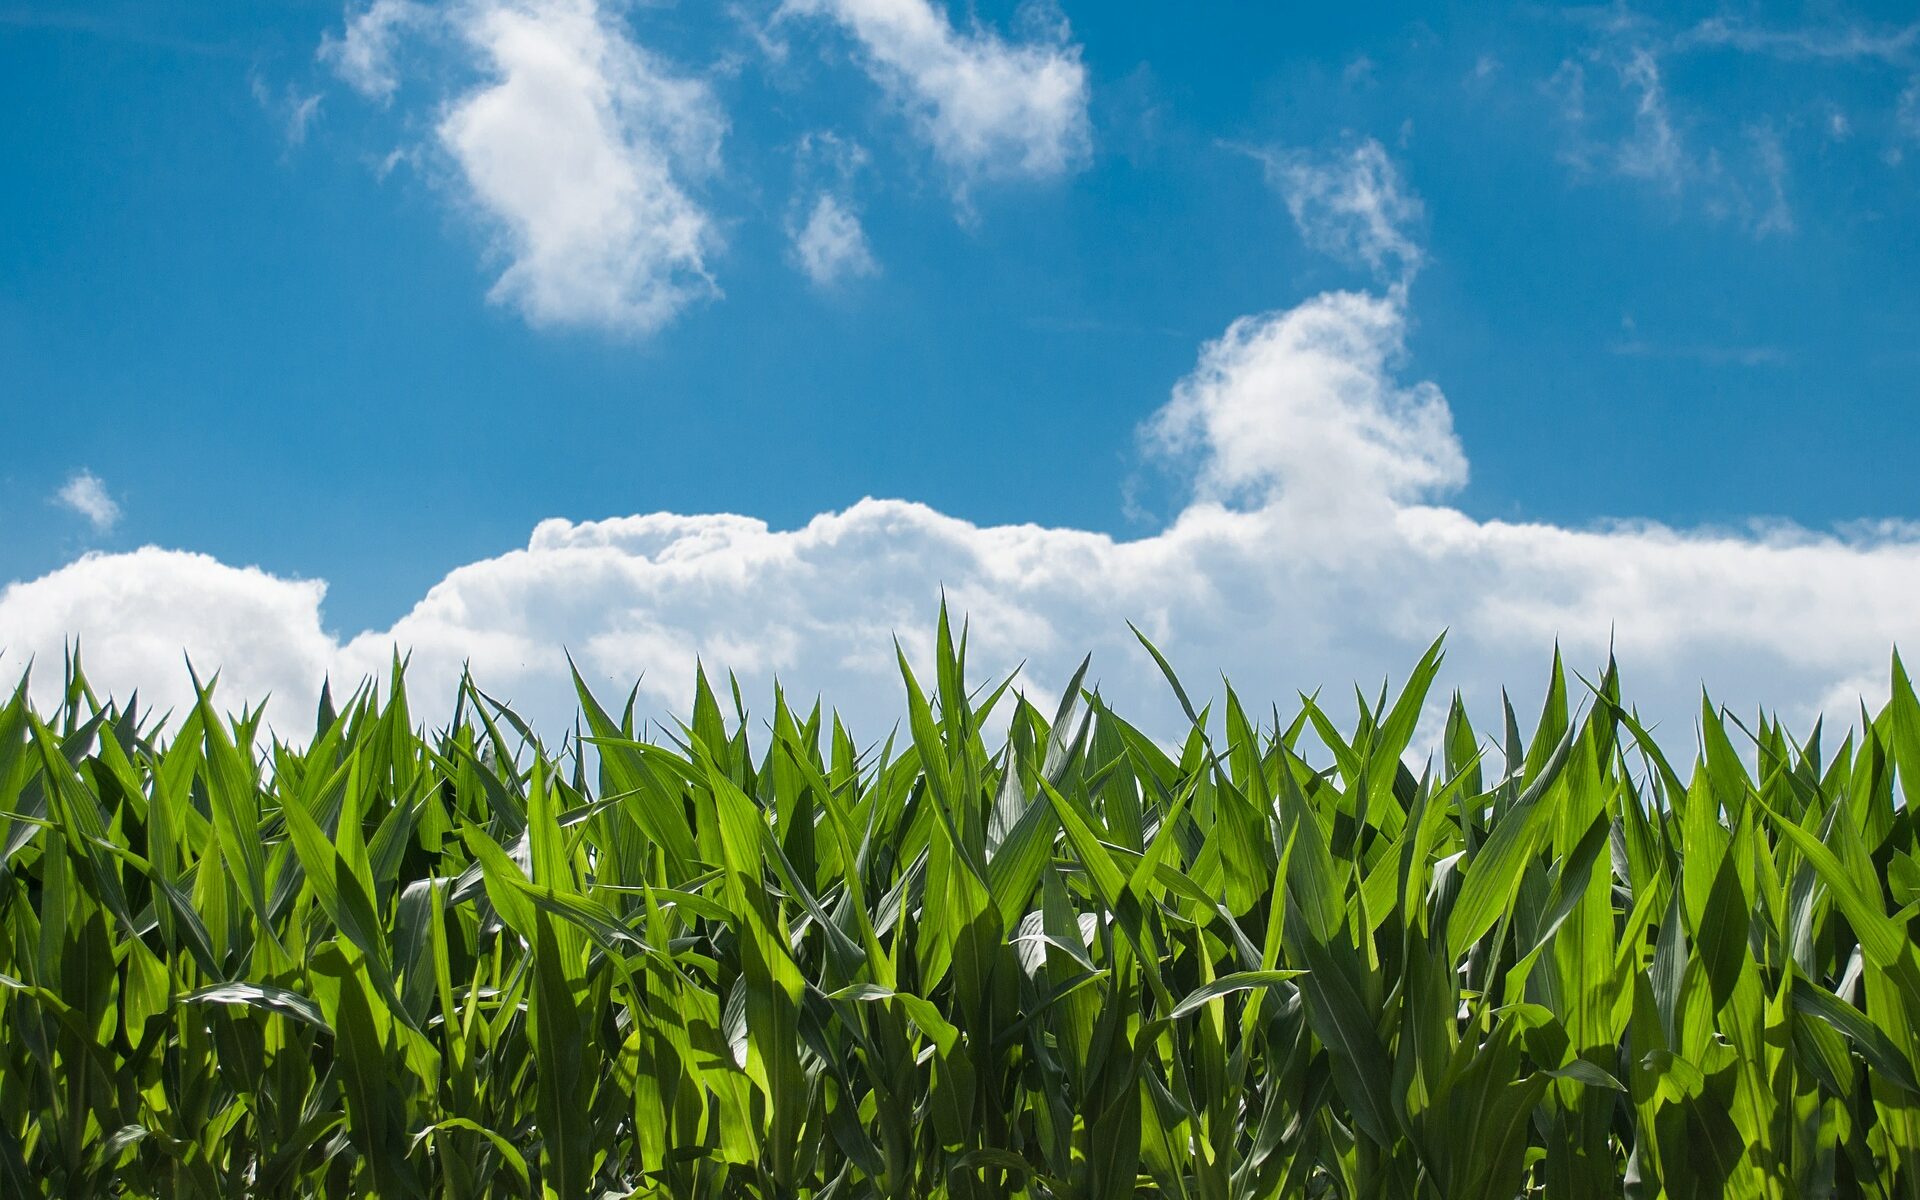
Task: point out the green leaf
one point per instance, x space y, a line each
264 997
1226 985
1882 1057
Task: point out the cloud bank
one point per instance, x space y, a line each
1316 551
1317 548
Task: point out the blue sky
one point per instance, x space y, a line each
261 298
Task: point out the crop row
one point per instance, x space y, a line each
753 957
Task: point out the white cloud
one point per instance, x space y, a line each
1352 205
826 152
302 111
1636 131
831 246
1833 43
581 152
1775 215
576 152
86 494
1567 86
1299 411
295 110
363 53
1705 353
990 108
1341 565
1653 150
1644 129
137 614
1317 549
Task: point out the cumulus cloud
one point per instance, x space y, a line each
1340 564
144 610
1299 411
582 153
573 152
576 152
990 108
1317 548
86 494
831 246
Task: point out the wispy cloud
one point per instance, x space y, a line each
86 494
1652 150
1622 115
1350 204
1841 42
1773 213
1738 356
364 52
1620 119
294 110
830 246
826 239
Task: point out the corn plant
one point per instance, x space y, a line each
755 957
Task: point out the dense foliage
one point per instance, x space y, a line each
756 958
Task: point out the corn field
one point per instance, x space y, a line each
752 957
